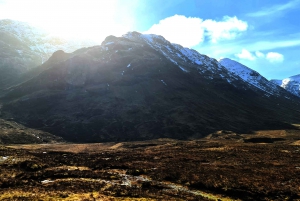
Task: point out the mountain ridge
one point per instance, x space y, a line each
254 78
139 87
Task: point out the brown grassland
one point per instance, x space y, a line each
264 165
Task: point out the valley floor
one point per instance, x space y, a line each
224 166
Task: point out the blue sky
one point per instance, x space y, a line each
263 35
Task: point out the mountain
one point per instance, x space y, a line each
291 84
138 87
253 78
23 47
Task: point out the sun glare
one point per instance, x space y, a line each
88 19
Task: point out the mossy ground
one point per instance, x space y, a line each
220 167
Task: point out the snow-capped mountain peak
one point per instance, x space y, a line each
226 69
291 84
185 58
252 77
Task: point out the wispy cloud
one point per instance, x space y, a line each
191 31
259 54
228 28
274 57
269 45
275 9
228 48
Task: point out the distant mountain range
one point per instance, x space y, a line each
291 84
23 47
140 87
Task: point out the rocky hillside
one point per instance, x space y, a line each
291 84
140 87
14 133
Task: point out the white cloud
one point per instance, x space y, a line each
228 28
269 45
191 31
229 48
274 57
259 54
186 31
275 9
245 54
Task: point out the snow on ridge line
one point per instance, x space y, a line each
178 54
291 84
295 77
250 76
180 51
109 43
242 71
278 82
149 39
189 53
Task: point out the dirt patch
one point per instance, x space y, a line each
296 143
272 133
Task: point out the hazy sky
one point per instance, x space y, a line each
264 35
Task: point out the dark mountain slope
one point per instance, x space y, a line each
132 89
